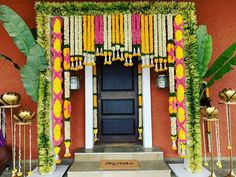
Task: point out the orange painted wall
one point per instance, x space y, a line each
218 16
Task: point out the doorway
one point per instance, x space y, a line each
117 102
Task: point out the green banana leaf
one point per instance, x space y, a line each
17 29
204 49
222 65
10 60
30 72
24 40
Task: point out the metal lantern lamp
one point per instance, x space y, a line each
74 83
162 81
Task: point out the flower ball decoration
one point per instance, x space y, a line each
10 98
209 112
228 95
24 116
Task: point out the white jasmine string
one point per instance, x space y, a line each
20 154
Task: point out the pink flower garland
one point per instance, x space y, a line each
180 85
57 89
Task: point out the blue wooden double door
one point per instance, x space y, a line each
117 102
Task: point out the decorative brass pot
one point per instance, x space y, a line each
10 98
209 112
24 116
227 95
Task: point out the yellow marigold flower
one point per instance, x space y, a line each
67 105
179 71
170 59
180 93
57 108
178 35
178 19
181 134
57 85
57 45
57 64
179 53
95 101
57 26
181 114
57 134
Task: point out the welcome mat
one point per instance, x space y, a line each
119 164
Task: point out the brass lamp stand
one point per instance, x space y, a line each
11 107
209 122
229 128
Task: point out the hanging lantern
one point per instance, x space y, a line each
74 83
162 81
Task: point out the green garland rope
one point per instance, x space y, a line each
186 9
45 150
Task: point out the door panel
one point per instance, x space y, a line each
118 106
117 102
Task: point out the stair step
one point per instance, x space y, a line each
145 154
148 168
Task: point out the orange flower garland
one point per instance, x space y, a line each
57 84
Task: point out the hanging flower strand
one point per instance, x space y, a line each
180 85
66 104
57 85
171 70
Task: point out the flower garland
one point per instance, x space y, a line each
30 151
145 41
99 40
66 66
19 151
156 41
136 34
171 70
72 43
128 54
107 37
88 40
95 105
57 85
180 85
78 43
140 103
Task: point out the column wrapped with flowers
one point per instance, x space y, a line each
57 84
180 84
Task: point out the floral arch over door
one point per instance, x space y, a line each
161 35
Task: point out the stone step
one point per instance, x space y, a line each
148 168
119 154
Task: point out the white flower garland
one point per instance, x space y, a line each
30 151
130 39
19 151
205 163
72 42
80 46
164 35
160 37
66 30
126 41
105 36
109 41
76 43
155 36
217 128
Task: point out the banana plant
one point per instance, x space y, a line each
24 40
221 66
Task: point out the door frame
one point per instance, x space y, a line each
147 115
116 138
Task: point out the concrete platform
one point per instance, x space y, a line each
59 172
180 171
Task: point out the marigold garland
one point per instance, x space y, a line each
171 70
57 84
67 104
95 105
180 85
